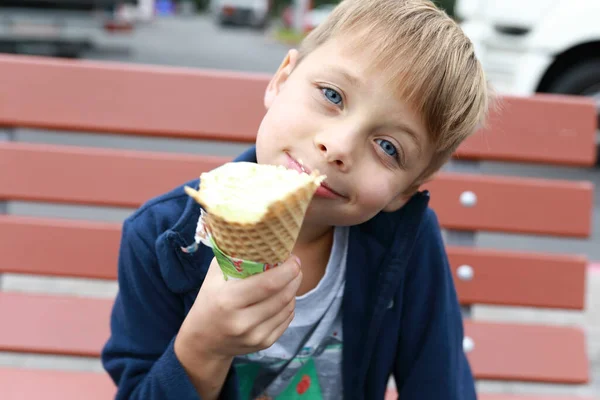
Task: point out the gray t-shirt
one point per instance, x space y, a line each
312 343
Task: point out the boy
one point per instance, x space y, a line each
378 98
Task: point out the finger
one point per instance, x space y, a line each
259 287
263 311
279 318
279 330
266 334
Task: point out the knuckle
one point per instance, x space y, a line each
291 307
255 339
287 297
270 285
269 341
223 303
237 329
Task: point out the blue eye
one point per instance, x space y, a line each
332 95
388 147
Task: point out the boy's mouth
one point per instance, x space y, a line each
324 190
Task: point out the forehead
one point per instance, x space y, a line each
384 67
341 51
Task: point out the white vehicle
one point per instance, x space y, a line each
529 46
65 28
242 12
142 12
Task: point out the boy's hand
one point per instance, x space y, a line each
231 318
240 317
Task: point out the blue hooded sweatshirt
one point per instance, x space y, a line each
401 314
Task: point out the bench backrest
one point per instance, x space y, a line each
217 106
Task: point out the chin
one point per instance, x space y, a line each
332 217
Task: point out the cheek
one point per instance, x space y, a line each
376 191
286 117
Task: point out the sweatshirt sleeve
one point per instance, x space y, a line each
431 363
146 316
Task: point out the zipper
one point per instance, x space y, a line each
396 261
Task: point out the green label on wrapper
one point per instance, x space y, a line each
232 268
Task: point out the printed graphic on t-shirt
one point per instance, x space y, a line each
310 375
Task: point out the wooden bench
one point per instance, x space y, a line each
145 101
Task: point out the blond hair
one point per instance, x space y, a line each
426 56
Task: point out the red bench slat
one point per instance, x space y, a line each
60 243
122 98
56 247
135 99
80 326
541 128
28 384
517 205
536 353
534 279
53 324
126 178
94 176
392 394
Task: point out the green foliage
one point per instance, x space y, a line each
447 5
201 5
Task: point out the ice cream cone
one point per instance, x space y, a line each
254 212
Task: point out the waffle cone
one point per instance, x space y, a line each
267 236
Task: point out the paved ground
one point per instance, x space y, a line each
197 42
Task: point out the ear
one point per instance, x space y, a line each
280 77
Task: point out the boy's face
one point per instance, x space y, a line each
334 116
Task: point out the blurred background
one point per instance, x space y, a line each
526 46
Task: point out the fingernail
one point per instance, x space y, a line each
297 259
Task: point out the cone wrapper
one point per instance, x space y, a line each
232 268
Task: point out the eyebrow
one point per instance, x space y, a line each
412 133
352 79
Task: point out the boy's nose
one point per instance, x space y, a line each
338 154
